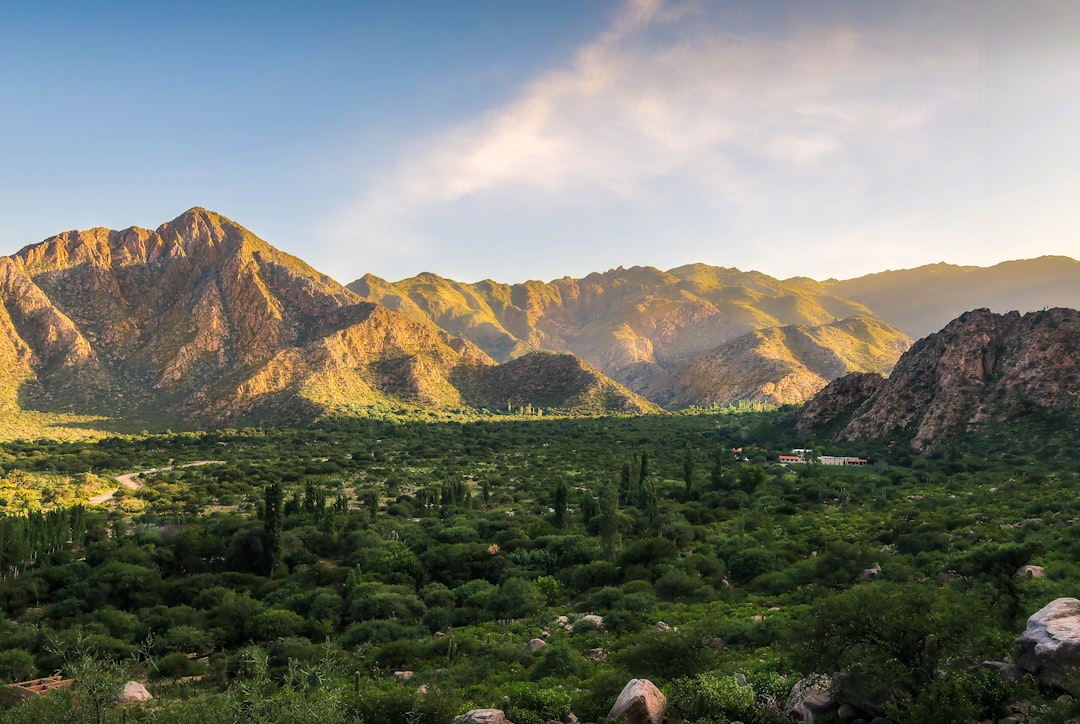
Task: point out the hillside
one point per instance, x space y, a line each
199 322
634 324
981 368
782 365
923 300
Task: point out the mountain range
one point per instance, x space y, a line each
201 323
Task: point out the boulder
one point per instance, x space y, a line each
1050 646
871 573
641 702
1031 572
596 621
483 716
133 691
403 675
535 645
811 696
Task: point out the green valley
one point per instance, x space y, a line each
381 571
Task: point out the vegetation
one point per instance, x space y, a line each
297 572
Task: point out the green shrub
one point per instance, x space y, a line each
532 703
710 697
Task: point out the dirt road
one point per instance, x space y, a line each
127 480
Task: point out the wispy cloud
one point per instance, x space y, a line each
667 100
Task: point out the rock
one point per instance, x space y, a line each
596 654
811 696
535 645
641 702
1050 646
422 689
1031 572
483 716
403 675
661 626
133 691
570 719
871 573
597 621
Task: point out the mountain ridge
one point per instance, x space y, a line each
202 322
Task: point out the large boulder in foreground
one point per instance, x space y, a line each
641 702
1050 646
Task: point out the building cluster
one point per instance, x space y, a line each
802 456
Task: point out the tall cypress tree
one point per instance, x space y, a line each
688 470
562 499
272 520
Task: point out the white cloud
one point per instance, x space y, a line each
665 99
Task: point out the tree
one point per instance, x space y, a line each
272 521
16 665
717 475
892 641
562 499
609 521
688 470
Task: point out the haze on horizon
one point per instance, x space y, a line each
534 140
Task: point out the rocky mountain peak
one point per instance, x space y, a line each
980 367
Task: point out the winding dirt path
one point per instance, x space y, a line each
127 480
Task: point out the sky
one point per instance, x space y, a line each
537 139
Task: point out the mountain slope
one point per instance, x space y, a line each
632 324
982 367
202 321
922 300
782 365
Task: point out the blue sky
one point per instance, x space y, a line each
518 140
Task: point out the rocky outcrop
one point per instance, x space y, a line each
1050 645
980 367
641 702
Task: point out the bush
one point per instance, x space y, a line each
535 704
16 665
711 697
749 563
177 665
